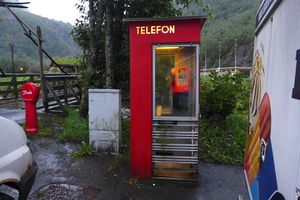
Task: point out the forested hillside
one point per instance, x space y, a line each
56 35
233 19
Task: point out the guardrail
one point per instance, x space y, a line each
226 69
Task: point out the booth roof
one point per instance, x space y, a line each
164 18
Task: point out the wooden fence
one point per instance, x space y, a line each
59 89
10 84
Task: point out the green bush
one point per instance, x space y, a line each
223 142
223 106
243 96
219 96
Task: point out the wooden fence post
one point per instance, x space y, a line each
65 91
31 78
15 86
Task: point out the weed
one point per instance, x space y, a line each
125 139
40 194
85 149
44 131
75 128
132 181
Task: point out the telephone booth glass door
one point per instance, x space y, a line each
175 111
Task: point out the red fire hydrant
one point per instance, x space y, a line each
30 94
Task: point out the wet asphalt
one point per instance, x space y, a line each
111 178
17 115
108 177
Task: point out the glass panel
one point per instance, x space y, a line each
175 81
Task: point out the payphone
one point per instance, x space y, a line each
180 86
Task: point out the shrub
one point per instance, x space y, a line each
243 96
223 142
219 96
223 106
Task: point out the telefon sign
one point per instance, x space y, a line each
152 30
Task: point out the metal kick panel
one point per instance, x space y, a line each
175 149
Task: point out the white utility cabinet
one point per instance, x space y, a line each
105 120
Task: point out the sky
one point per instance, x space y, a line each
60 10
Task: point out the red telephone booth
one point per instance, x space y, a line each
164 96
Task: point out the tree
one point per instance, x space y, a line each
104 37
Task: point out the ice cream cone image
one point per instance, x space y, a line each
257 77
258 141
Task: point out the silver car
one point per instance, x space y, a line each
17 168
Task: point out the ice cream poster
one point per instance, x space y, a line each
259 162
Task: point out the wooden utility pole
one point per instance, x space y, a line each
12 57
219 56
205 57
42 76
235 52
14 78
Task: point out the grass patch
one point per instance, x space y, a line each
44 131
224 142
85 149
75 128
125 140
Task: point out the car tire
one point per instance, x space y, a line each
4 196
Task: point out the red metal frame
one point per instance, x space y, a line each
143 34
